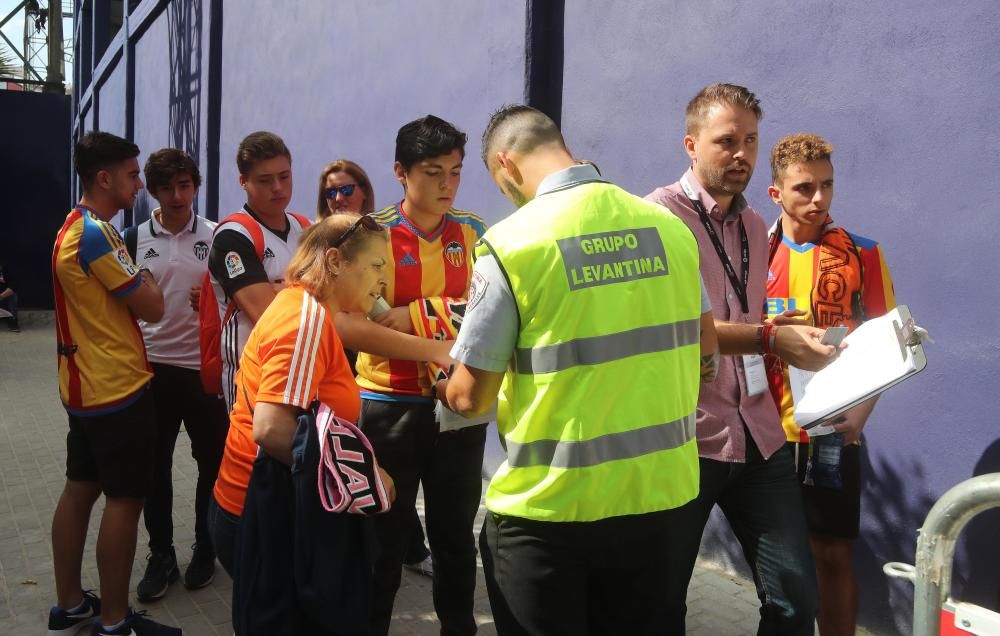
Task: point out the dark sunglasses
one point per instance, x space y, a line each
366 222
347 190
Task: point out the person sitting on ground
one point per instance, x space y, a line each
8 302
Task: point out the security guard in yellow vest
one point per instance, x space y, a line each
587 306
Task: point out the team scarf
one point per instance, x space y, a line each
439 318
836 290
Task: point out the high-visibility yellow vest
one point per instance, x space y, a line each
597 408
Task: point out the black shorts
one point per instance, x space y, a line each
834 512
115 449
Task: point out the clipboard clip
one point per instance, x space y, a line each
910 335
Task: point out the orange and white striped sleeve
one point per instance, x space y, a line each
299 356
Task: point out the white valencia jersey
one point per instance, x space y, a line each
178 262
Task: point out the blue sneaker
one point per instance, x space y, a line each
65 622
136 624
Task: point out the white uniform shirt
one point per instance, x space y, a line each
178 262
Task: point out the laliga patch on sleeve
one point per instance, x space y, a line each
123 259
477 289
234 265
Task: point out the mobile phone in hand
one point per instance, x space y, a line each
834 336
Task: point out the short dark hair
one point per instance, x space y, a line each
427 137
165 164
521 128
725 94
260 146
98 151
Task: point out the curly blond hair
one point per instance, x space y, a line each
797 148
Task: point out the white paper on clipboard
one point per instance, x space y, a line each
880 354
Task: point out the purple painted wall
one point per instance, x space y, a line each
906 92
340 84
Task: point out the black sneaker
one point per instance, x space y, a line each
201 571
161 571
62 622
136 624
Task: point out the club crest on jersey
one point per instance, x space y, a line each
455 254
234 265
201 250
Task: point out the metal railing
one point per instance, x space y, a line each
931 576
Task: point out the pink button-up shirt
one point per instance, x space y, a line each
724 406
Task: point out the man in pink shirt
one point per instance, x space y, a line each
745 467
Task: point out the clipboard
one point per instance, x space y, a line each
880 354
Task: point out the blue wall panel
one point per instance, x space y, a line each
907 99
111 101
339 80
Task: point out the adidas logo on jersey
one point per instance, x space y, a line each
150 253
408 261
268 253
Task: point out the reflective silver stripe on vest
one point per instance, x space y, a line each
601 349
591 452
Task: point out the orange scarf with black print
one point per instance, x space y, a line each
836 292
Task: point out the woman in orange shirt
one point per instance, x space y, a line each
294 356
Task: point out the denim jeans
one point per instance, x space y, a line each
762 502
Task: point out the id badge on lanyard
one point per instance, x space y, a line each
754 372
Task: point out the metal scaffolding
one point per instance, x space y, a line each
44 50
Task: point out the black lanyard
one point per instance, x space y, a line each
740 287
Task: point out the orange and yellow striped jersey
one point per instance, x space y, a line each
791 276
102 359
423 266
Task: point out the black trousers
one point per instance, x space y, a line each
409 447
601 577
178 396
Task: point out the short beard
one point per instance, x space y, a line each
716 180
512 191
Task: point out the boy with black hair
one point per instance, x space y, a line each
174 246
431 248
103 383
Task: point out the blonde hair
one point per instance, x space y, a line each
797 148
308 264
725 94
353 169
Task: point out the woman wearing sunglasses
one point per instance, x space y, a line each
344 187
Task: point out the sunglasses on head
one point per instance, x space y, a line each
365 222
346 190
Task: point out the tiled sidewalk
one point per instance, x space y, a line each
32 467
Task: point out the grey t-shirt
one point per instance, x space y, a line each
489 330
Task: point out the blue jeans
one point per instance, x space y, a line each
762 501
224 528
